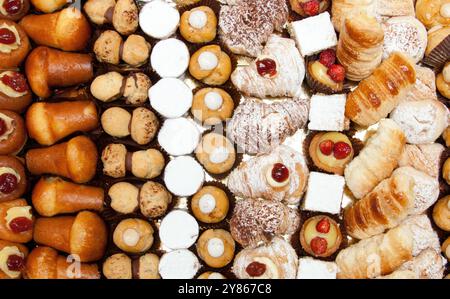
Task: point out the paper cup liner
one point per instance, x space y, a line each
439 55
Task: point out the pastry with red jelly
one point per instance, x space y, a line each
15 94
308 8
14 10
324 74
16 221
13 134
14 44
331 151
12 260
320 236
12 178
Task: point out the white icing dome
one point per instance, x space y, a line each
213 100
208 61
198 19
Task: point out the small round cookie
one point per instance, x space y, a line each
212 106
124 197
179 264
170 58
210 65
135 50
159 19
170 97
118 266
441 213
133 235
199 25
216 153
216 247
443 81
13 134
179 136
178 230
183 176
154 199
211 275
210 204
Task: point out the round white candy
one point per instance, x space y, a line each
179 136
198 19
207 203
216 247
218 155
178 230
184 176
171 97
130 237
178 264
170 58
213 100
159 19
208 61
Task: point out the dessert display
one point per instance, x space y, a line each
320 236
15 93
212 106
14 43
13 134
120 266
216 153
13 180
199 25
133 235
210 204
14 9
216 247
210 65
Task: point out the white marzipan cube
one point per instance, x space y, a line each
309 268
327 112
324 193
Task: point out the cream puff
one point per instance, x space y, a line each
15 94
216 248
13 180
210 65
133 235
320 236
216 153
212 106
210 204
13 134
120 266
16 221
199 25
14 44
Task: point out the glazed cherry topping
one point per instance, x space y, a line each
20 224
8 183
326 147
16 81
327 57
311 8
337 73
7 37
266 67
319 245
255 269
323 226
341 150
12 6
3 127
15 262
280 173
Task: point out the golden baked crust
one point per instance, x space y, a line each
204 254
136 50
205 151
144 125
199 35
148 266
212 117
154 199
14 58
107 47
441 213
429 12
12 141
147 164
5 232
124 197
139 226
125 17
221 205
446 171
216 76
435 36
114 158
308 233
20 247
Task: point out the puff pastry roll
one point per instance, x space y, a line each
423 157
342 9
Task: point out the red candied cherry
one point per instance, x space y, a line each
319 245
323 226
337 73
327 57
8 183
16 81
341 150
266 67
3 126
256 269
20 224
280 172
326 147
311 8
15 262
12 6
7 37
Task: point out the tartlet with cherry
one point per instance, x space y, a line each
308 8
320 236
324 74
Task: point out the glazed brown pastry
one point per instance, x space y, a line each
52 196
14 10
15 93
133 235
117 160
199 25
151 198
14 44
376 96
16 221
68 29
142 124
120 266
433 12
212 106
47 68
441 213
13 180
48 6
443 81
320 236
436 53
84 234
210 65
307 8
75 159
216 247
48 123
13 134
110 48
331 151
216 153
12 260
45 263
210 204
112 86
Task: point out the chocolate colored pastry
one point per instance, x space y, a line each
145 164
12 260
142 124
84 235
320 236
16 221
68 29
75 159
15 93
14 44
47 68
133 235
14 10
45 263
48 123
48 6
13 134
52 196
120 266
13 180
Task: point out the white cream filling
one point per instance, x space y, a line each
272 182
213 100
207 203
4 255
198 19
219 155
216 248
208 61
445 10
16 212
130 237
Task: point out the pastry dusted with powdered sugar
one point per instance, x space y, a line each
423 157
